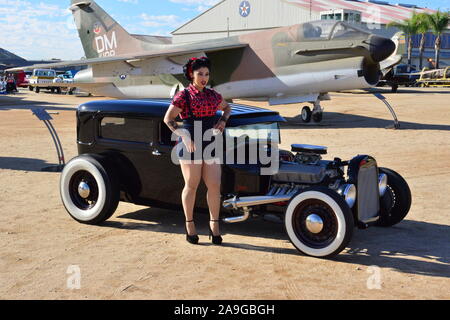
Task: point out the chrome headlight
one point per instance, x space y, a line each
348 191
382 183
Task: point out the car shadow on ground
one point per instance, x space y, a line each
412 247
24 164
336 120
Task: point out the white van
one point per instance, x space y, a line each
40 78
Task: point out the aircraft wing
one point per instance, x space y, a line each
162 53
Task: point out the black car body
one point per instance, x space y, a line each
125 155
140 145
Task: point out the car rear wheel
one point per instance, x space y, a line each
396 201
319 222
89 189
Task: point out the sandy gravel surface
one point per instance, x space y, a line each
141 253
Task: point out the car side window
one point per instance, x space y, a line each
165 134
126 129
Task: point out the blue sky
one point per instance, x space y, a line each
44 29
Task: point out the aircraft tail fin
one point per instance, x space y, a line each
100 34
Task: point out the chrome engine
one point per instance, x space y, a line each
306 169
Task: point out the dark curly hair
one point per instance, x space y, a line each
195 64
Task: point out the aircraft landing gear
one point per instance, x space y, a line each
306 114
316 115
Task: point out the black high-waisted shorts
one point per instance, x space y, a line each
188 124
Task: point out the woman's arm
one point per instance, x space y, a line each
169 120
226 108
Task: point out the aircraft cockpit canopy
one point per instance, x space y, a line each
330 30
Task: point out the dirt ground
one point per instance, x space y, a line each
141 252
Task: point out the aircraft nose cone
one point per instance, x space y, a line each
381 48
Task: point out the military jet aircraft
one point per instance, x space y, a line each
287 65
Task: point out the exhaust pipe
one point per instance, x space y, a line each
275 194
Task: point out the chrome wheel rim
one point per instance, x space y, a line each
83 190
315 223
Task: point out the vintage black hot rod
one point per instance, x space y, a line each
125 155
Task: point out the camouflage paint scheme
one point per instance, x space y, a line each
293 64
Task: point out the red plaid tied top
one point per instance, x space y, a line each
203 103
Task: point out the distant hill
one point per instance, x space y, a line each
10 60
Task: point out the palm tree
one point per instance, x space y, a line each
438 23
423 26
410 28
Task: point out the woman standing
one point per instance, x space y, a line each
197 105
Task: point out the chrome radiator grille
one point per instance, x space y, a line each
368 194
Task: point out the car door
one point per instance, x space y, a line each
164 177
146 171
173 184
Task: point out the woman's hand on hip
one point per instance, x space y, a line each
220 125
190 145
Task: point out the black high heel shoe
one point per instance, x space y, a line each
191 239
215 239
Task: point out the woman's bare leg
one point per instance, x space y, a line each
192 174
211 174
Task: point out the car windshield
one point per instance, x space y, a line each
45 73
259 131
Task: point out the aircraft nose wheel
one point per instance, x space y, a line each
306 114
315 115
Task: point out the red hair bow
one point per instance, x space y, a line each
191 61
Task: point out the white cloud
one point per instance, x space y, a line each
200 5
38 31
208 3
129 1
171 21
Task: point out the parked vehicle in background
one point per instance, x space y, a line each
434 78
43 79
63 78
21 79
399 76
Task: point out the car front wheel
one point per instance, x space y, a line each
396 201
319 222
89 191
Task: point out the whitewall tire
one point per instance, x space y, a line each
89 191
319 222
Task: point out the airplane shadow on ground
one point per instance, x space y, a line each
336 120
23 164
412 247
401 90
17 102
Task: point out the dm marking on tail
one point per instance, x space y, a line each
106 47
99 33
